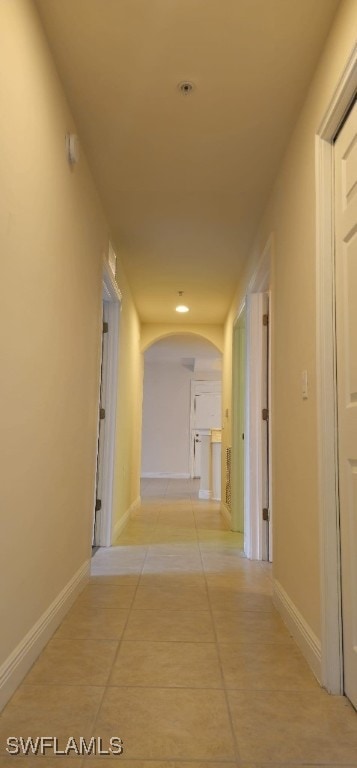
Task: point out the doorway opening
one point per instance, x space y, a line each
102 520
206 418
252 414
238 418
181 407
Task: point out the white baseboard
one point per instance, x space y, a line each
205 495
166 475
225 512
302 633
14 669
121 523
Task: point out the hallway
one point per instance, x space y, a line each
175 646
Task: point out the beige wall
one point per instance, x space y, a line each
52 239
290 216
129 405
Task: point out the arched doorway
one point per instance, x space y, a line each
182 388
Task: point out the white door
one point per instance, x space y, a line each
265 430
346 325
257 510
207 410
98 511
206 405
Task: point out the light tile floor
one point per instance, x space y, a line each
175 646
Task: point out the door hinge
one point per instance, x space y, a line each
98 505
265 319
265 414
102 413
105 327
266 514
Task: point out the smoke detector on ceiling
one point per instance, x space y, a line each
186 87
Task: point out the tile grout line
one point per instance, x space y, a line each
235 741
228 708
107 686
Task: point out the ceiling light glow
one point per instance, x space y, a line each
181 307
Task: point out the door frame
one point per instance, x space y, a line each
111 294
330 556
253 507
238 418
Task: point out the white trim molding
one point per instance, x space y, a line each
112 297
111 289
166 475
302 633
238 418
253 475
208 495
258 288
331 625
14 669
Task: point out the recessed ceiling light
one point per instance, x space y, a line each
182 307
186 87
